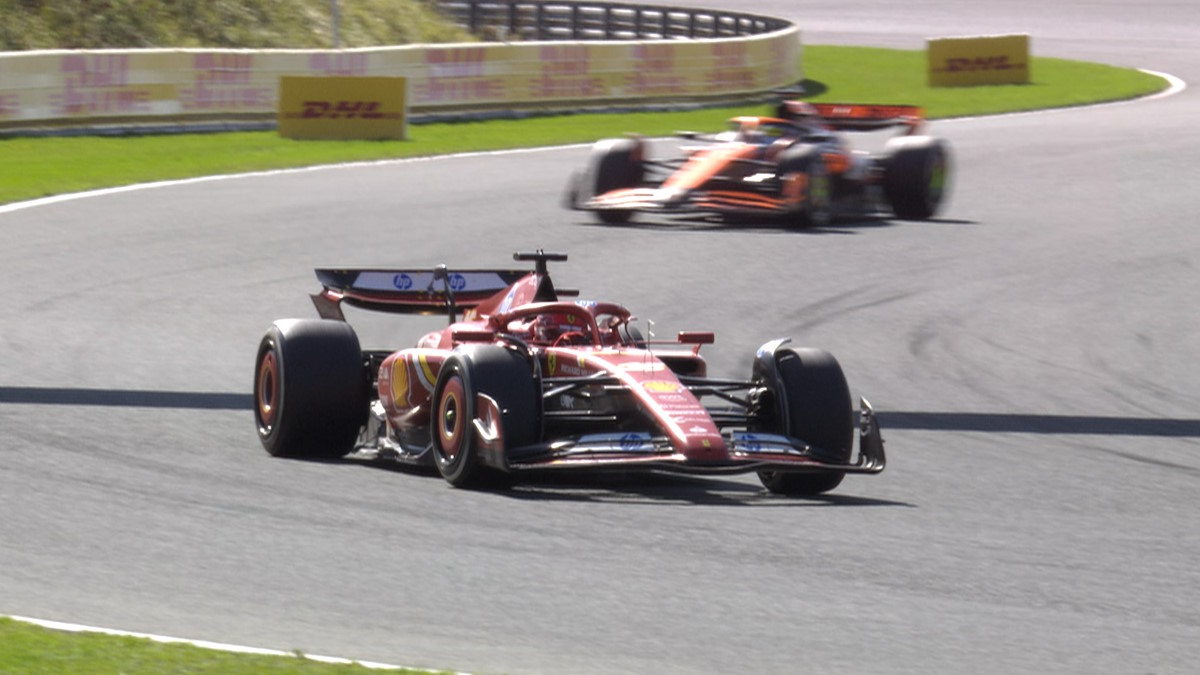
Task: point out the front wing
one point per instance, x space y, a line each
657 200
748 452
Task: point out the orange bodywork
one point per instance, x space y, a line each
702 166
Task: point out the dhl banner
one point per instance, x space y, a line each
70 87
86 85
967 61
596 71
340 108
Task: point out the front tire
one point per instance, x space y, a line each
817 410
504 376
614 164
916 171
310 389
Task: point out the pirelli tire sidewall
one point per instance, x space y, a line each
809 400
916 175
615 163
506 376
310 388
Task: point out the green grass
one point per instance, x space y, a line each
893 76
38 167
26 649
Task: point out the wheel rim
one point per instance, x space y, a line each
451 420
267 394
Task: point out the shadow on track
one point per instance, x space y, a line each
693 223
896 419
1042 424
625 487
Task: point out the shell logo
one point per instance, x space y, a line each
661 386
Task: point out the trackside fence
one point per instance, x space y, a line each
603 21
534 56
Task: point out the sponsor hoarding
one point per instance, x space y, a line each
986 59
341 108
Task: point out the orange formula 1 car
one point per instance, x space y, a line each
523 379
793 166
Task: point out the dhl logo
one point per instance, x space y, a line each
367 110
964 65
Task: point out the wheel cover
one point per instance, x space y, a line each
267 390
451 421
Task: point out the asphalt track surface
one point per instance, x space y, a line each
1033 352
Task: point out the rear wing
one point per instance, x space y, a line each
857 116
409 291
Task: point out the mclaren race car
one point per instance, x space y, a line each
526 377
793 166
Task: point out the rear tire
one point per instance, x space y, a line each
310 389
804 165
916 171
505 376
819 412
614 164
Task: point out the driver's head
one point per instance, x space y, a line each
798 111
549 327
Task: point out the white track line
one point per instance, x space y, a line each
76 628
58 199
1175 86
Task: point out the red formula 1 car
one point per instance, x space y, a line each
793 166
526 380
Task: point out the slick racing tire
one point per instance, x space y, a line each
505 376
807 184
819 412
915 174
310 389
615 163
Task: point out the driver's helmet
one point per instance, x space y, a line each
549 327
750 133
546 328
800 112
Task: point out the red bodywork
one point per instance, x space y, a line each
406 378
582 348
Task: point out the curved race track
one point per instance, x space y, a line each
1034 354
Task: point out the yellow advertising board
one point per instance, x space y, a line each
340 108
969 61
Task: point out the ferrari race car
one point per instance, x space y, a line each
526 380
793 166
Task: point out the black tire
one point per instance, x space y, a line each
818 412
310 389
615 163
502 374
916 171
815 209
631 336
